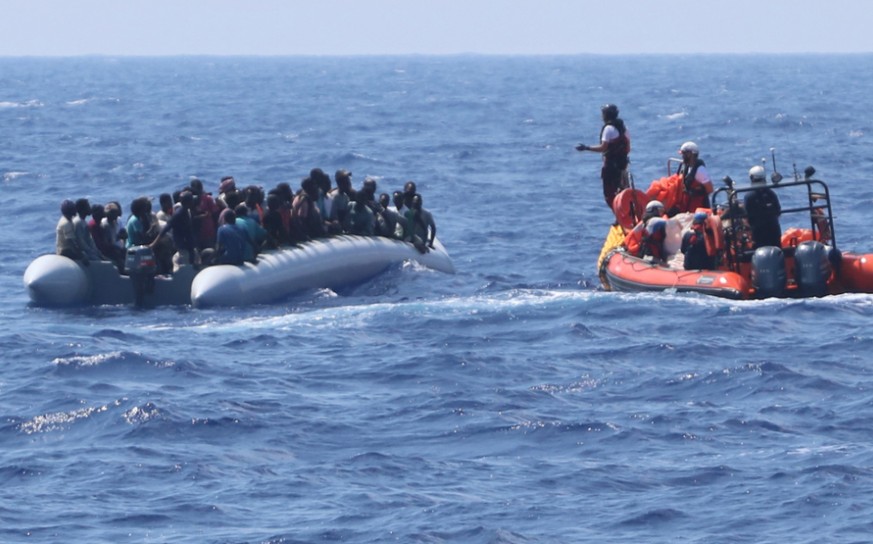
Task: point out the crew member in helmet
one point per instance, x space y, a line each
698 184
653 239
694 245
646 239
654 209
763 210
614 146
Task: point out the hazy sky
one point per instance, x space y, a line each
349 27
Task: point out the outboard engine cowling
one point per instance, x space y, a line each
141 266
813 268
768 272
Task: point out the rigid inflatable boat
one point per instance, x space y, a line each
807 263
53 280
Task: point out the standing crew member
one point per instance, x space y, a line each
615 147
763 210
698 184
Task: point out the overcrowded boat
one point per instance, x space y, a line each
334 262
735 257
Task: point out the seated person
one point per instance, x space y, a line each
763 210
647 239
66 243
361 219
654 209
694 245
230 240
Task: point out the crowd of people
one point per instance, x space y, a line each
193 227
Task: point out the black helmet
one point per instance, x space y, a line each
610 111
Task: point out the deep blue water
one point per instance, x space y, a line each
512 402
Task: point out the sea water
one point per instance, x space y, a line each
515 401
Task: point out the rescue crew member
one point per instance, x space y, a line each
694 248
647 239
763 210
698 184
615 147
654 209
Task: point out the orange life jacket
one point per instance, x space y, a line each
670 191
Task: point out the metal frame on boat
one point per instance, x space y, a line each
808 263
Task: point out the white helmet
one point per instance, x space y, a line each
655 205
757 175
689 146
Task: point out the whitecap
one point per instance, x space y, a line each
79 102
11 176
59 420
674 116
27 104
86 360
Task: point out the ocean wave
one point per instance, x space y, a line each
60 421
12 176
109 358
26 104
674 116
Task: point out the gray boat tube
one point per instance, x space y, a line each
56 281
327 263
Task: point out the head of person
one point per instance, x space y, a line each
226 217
227 185
655 209
757 176
274 201
609 112
409 191
360 200
384 200
98 212
196 186
416 202
140 207
254 196
166 201
689 151
68 208
343 180
83 207
285 192
113 211
698 221
186 199
398 199
309 187
320 179
369 187
241 210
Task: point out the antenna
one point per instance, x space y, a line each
775 177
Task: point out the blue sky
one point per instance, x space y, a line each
374 27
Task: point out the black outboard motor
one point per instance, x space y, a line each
813 268
140 264
768 272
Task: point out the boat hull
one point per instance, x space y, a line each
330 263
623 272
56 281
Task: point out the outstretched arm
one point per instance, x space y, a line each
599 148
